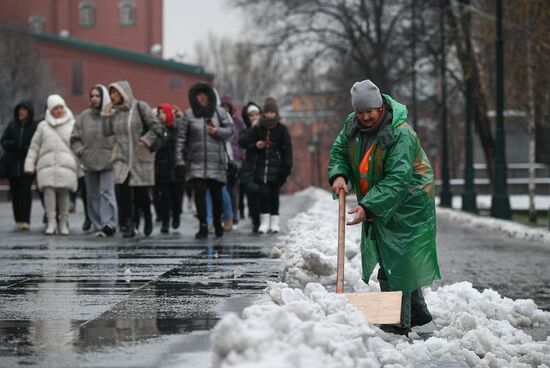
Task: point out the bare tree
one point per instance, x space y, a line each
369 38
243 70
23 73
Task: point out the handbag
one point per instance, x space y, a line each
157 143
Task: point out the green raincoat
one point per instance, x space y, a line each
400 196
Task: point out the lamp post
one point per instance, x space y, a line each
469 195
445 195
500 203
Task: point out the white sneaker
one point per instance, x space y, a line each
63 227
264 223
274 224
51 228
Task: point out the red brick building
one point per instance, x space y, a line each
100 41
313 122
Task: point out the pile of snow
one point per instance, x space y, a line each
302 324
509 228
517 202
309 252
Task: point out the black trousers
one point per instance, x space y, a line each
254 208
269 198
168 197
21 198
127 197
414 311
215 187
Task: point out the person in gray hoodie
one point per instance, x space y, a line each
137 133
201 152
94 151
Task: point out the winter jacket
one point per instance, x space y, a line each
400 198
50 154
272 164
238 151
165 161
89 143
16 141
129 123
205 155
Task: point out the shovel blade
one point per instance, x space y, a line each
380 308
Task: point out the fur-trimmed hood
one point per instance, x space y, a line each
198 110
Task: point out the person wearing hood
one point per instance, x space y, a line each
56 166
238 152
137 135
168 188
94 151
201 151
251 116
271 162
378 155
15 142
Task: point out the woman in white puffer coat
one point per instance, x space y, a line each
52 158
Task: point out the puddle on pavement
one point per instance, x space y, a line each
190 297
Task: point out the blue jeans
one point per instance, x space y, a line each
227 208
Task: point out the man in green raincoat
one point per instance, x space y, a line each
378 156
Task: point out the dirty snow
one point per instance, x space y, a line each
302 324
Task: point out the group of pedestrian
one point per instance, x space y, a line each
126 156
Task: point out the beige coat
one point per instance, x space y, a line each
130 158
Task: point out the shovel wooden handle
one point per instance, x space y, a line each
341 241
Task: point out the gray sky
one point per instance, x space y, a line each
188 21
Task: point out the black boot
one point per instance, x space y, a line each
165 227
148 226
87 225
398 330
218 229
176 222
203 232
129 231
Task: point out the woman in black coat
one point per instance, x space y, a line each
168 188
15 142
270 160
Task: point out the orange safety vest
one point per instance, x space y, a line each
364 171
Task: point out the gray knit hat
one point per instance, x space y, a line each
365 95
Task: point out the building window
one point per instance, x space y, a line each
37 23
175 83
77 73
127 13
86 14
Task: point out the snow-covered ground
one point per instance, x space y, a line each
299 323
518 202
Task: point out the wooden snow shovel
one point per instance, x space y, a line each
383 308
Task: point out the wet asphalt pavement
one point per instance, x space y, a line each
67 301
71 301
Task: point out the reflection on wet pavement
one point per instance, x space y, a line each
78 300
